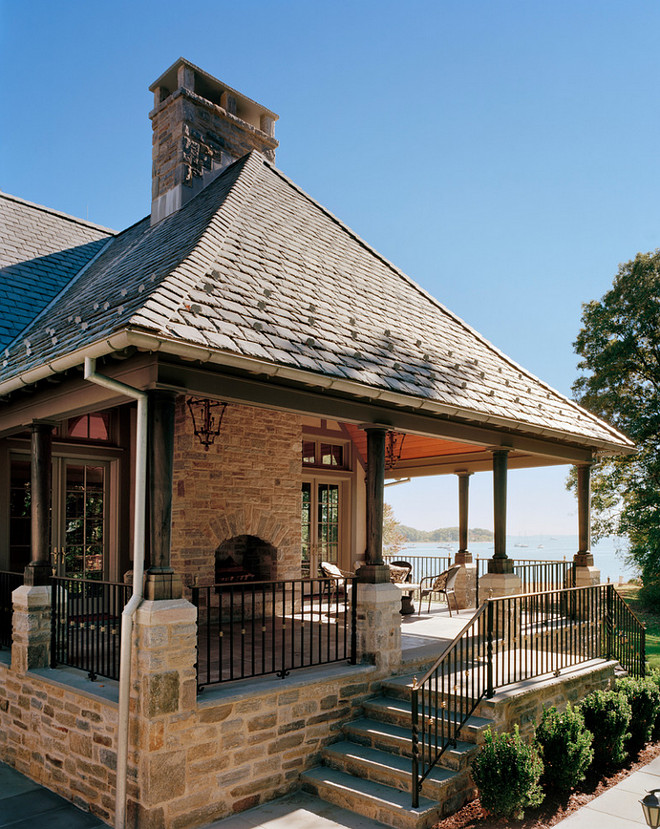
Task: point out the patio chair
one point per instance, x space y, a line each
400 572
331 571
443 584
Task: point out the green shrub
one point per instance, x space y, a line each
565 748
653 678
643 696
607 715
507 772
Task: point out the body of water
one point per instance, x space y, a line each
608 553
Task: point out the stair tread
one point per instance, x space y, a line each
385 759
375 792
403 706
377 727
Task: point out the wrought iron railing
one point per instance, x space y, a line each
86 625
8 583
536 575
511 639
252 629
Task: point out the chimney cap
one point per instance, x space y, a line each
169 80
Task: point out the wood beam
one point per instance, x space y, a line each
268 393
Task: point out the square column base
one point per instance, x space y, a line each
379 625
495 585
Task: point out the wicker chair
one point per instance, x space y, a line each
443 584
331 571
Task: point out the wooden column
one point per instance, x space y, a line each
161 582
38 570
463 556
499 563
374 571
584 556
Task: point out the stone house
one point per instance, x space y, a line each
241 313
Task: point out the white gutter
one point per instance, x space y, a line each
138 571
145 341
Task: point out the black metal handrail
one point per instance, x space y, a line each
86 625
248 629
446 696
511 639
9 581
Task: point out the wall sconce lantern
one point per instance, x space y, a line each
207 418
651 809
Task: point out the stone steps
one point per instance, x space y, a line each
373 800
370 770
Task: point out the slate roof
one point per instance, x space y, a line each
40 252
253 266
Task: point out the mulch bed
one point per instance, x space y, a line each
553 809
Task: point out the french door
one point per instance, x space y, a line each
322 523
80 540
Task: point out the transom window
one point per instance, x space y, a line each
321 454
94 426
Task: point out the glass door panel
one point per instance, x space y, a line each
84 520
19 515
328 521
320 525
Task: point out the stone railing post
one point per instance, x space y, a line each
31 627
164 691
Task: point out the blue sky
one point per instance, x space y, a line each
504 154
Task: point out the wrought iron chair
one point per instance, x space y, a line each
443 584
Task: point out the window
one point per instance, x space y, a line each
321 524
325 455
94 426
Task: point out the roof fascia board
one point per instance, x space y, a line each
451 466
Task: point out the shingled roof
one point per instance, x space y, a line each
254 267
41 250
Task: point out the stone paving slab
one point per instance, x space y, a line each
619 807
26 805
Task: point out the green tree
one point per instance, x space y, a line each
619 344
393 539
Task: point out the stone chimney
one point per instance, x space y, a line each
200 126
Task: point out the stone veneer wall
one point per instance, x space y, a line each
60 737
230 755
248 483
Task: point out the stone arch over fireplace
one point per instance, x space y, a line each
245 554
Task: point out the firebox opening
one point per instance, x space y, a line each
245 558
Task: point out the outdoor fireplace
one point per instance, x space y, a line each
244 558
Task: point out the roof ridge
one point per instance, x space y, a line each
231 205
433 299
58 213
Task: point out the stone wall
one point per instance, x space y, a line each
248 483
524 705
60 737
242 749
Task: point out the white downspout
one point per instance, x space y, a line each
138 572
